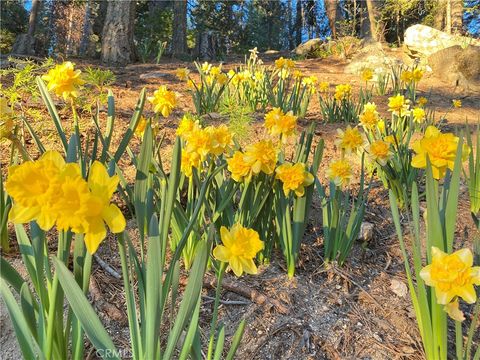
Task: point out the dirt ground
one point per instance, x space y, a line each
359 311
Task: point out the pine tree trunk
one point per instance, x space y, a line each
439 20
448 17
117 36
289 25
298 22
25 43
331 10
179 38
376 27
87 29
457 16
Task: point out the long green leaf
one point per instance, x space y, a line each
22 331
52 110
85 313
190 297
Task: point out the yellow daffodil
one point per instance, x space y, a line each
206 67
349 140
379 151
222 79
340 172
239 167
381 126
220 139
142 124
190 160
343 91
369 118
64 80
294 178
440 148
187 124
397 105
279 123
239 247
283 63
182 73
417 75
263 157
418 115
323 87
457 103
34 187
76 201
452 275
366 74
422 101
102 186
215 70
406 76
163 101
198 140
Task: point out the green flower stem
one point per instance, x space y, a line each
213 326
459 339
53 295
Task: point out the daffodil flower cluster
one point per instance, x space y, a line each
52 192
200 142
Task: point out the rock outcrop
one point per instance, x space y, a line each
308 46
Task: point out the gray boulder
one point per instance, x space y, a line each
308 46
423 41
458 66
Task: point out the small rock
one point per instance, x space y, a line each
366 231
153 75
398 288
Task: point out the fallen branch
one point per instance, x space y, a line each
255 296
107 267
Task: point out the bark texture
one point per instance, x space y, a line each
117 36
179 38
376 26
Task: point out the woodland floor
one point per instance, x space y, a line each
359 311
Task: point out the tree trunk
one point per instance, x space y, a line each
376 25
179 38
439 20
457 16
365 32
448 18
289 25
298 22
25 43
87 29
117 36
331 10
